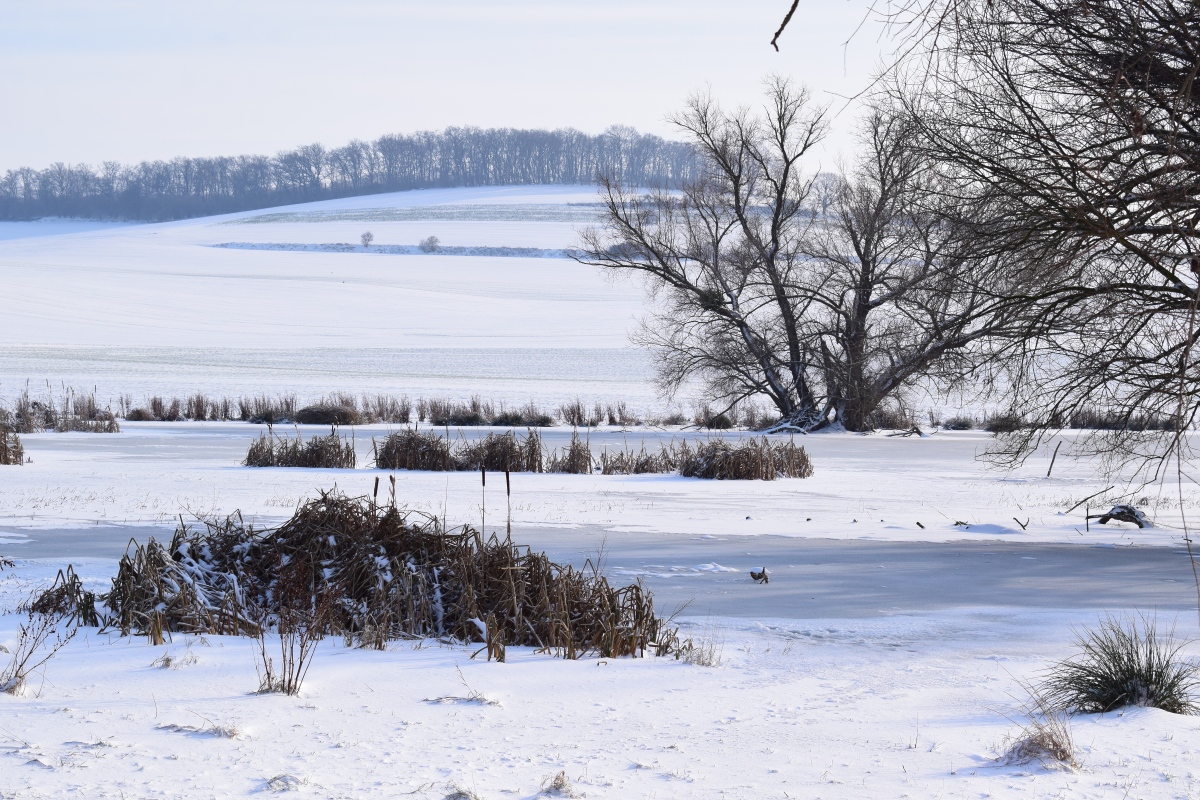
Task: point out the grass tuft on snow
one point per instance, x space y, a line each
1124 661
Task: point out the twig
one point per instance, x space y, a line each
786 20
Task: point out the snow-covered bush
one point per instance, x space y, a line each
377 567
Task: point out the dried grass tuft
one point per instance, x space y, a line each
1124 661
1045 736
558 786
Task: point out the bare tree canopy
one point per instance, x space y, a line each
827 316
1081 124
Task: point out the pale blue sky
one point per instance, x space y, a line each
86 81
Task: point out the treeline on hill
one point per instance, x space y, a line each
192 187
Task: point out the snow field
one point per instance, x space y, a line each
909 706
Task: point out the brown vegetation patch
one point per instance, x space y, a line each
380 569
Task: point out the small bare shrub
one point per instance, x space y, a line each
39 639
892 419
1124 661
959 423
67 598
429 244
301 619
619 414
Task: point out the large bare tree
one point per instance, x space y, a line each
1082 123
827 315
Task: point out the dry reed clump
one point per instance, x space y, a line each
320 452
747 459
629 462
498 452
576 459
12 452
378 568
412 449
1124 661
75 413
501 452
577 415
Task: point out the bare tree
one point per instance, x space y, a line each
1081 122
827 317
895 287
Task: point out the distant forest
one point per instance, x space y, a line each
194 187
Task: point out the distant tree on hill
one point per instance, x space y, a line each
189 187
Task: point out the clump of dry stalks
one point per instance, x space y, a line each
746 459
371 570
326 452
1044 737
12 452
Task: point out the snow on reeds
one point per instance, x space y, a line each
374 567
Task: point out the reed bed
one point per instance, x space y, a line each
382 571
717 459
426 450
324 452
74 412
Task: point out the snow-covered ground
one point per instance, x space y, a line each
158 309
913 588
